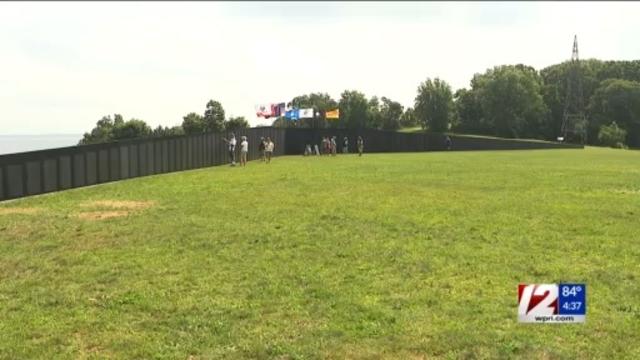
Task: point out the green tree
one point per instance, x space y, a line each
469 113
320 102
214 117
161 131
408 118
612 135
131 129
554 92
374 114
434 106
511 99
617 100
354 109
391 114
193 123
118 120
592 73
101 133
108 130
235 123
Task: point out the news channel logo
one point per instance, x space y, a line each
552 303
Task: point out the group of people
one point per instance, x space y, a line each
266 148
330 146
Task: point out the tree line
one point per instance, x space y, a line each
513 101
110 129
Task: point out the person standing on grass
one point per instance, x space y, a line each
268 149
316 149
232 148
447 142
261 148
307 150
334 146
360 145
244 149
345 145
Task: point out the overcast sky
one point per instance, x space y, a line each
63 65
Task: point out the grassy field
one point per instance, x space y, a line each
399 256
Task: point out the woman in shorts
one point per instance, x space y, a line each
268 149
244 149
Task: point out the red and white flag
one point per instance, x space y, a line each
264 111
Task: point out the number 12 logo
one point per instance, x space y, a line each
538 299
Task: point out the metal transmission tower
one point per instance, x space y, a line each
574 121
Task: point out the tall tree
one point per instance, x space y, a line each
434 105
101 133
469 113
214 117
117 120
320 102
131 129
391 114
354 109
511 98
374 114
235 123
408 118
193 123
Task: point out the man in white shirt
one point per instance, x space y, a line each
232 148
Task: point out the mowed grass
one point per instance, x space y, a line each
398 256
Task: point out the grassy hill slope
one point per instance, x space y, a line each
387 255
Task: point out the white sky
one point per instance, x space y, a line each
63 65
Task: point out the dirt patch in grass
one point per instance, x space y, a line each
101 215
120 204
19 210
107 209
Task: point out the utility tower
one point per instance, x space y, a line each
574 121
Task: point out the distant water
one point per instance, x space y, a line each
20 143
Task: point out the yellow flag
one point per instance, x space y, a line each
333 114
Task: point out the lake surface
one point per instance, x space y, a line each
20 143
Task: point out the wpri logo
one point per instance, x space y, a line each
552 303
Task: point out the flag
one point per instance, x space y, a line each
306 113
333 114
277 109
264 111
292 115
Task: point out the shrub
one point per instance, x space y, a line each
612 135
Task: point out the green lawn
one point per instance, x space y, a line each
401 256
